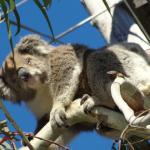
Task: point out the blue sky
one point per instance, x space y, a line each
63 14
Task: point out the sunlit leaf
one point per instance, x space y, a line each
5 11
12 7
45 15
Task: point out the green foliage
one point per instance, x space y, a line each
8 6
47 3
6 11
12 8
42 9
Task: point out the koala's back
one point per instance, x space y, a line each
128 59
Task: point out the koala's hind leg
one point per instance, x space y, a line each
122 104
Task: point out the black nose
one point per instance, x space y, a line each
23 74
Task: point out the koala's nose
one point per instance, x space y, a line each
23 74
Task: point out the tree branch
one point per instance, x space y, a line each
15 124
121 26
75 114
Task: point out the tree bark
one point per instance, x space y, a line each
121 26
75 114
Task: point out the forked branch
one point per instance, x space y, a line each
123 105
75 114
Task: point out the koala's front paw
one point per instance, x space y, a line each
58 117
88 103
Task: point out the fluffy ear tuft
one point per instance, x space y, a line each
33 44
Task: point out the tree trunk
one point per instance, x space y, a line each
120 26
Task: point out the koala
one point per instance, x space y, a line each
49 78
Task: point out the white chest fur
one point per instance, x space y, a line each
42 102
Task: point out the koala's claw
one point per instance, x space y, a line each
84 98
58 117
88 103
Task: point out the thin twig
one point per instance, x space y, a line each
81 23
134 126
140 141
130 144
52 142
124 132
34 31
48 141
21 3
2 19
122 136
33 136
7 114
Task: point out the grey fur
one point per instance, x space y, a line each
57 73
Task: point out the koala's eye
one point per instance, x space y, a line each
28 60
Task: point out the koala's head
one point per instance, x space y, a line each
28 66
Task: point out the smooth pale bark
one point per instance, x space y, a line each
75 114
118 27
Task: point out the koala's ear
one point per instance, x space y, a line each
33 44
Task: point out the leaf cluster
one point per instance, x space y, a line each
8 6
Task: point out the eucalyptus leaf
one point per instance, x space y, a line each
18 20
37 2
12 7
5 11
47 3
